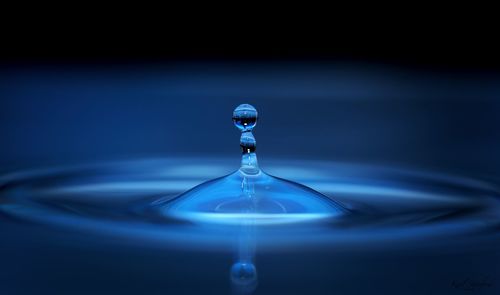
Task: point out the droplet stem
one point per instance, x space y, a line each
249 164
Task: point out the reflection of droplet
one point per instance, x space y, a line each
244 277
249 193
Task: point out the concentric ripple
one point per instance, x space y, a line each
128 198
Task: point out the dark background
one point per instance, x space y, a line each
419 94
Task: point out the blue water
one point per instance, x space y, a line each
104 228
101 229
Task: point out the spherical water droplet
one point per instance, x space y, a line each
245 117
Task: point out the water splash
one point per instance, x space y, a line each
250 193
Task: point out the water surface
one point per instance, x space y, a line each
100 229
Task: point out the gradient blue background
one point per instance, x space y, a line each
340 111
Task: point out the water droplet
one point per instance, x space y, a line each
248 143
245 117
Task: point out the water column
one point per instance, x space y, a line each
243 272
